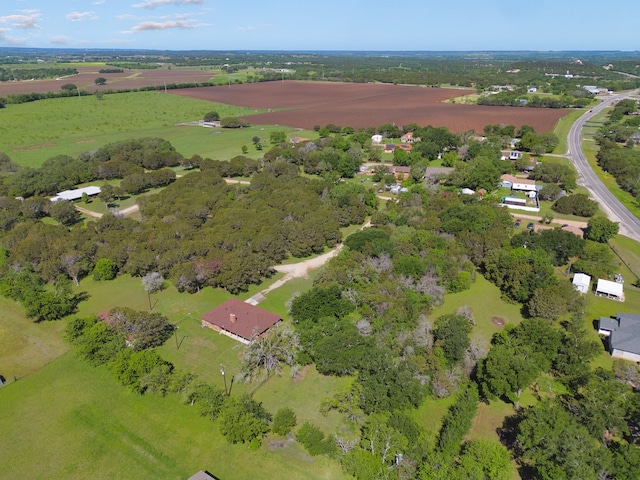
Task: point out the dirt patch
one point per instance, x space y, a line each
91 140
33 147
301 374
498 321
358 105
85 80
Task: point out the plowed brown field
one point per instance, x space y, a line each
357 105
85 80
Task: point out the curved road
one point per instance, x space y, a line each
629 224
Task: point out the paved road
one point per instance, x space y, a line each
629 224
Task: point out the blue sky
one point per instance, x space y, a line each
322 25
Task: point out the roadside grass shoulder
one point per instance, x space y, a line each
591 149
562 130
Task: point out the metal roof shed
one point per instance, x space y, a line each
613 290
581 282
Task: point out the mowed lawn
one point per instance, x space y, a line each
72 421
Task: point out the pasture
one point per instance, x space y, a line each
102 430
31 133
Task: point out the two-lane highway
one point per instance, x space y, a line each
629 224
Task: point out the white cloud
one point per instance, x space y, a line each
248 28
151 4
30 20
81 16
144 26
8 40
59 40
99 2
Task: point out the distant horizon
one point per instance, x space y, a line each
356 26
310 51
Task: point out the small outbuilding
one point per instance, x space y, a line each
609 289
624 335
239 320
582 282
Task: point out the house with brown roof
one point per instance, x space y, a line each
239 320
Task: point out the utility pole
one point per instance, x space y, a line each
226 392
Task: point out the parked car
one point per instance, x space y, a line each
517 224
565 225
530 225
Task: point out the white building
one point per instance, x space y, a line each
612 290
76 194
582 282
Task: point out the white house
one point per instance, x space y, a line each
624 335
582 282
520 184
612 290
376 139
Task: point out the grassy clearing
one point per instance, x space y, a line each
484 300
103 430
32 132
25 346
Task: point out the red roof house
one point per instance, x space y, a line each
239 320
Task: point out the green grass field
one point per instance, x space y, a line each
31 133
73 421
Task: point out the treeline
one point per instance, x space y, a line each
16 74
121 160
124 342
519 99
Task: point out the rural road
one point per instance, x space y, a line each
629 224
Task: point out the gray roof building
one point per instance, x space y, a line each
624 335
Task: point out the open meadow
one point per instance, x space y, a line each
31 133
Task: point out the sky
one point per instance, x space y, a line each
410 25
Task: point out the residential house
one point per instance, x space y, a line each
239 320
624 335
409 138
520 184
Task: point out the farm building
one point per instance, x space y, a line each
239 320
609 289
581 282
76 194
624 335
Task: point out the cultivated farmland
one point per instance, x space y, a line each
303 105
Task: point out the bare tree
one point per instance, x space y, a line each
466 312
266 354
152 282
